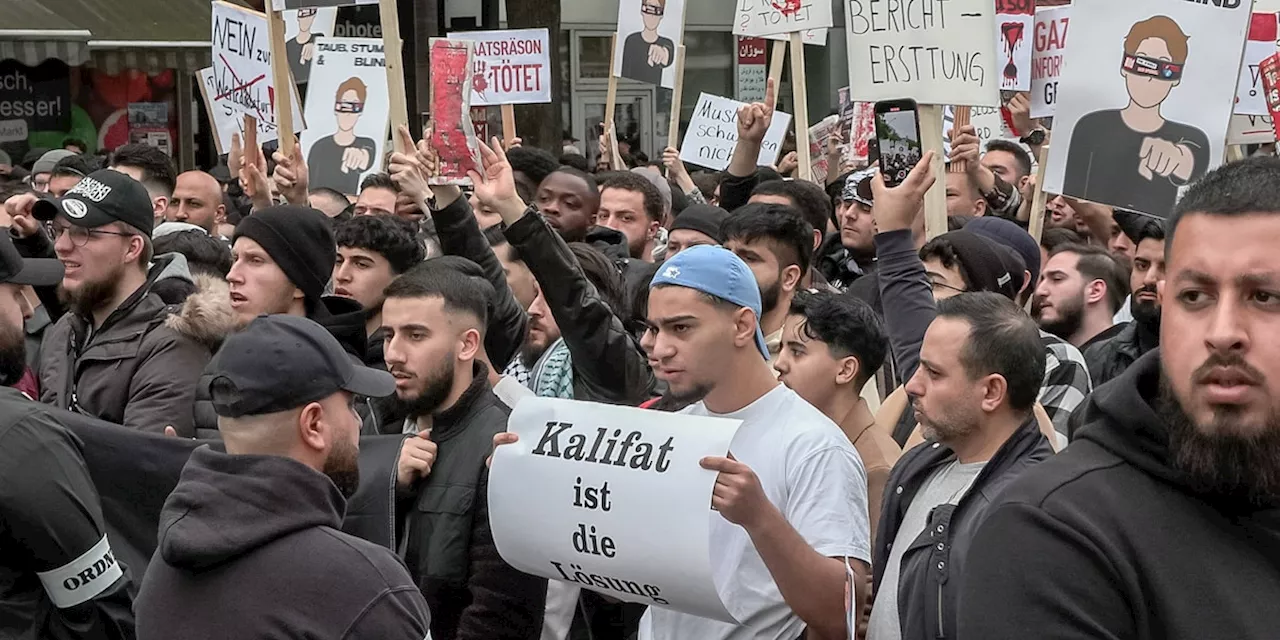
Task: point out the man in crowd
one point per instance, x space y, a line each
1012 164
68 173
42 170
112 356
980 370
630 204
435 319
851 253
807 198
252 535
831 346
777 245
328 201
377 197
978 190
54 529
197 199
1080 291
569 200
152 168
1186 441
1109 358
372 252
699 224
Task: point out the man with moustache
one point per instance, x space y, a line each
1079 293
252 534
1159 520
434 318
1109 358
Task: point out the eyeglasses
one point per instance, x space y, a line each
651 9
40 184
1152 67
946 287
80 235
348 107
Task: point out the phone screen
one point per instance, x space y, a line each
898 136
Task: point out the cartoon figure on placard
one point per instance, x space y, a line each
1134 155
337 161
646 53
301 47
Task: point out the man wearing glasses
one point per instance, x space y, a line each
338 161
111 356
1133 157
646 54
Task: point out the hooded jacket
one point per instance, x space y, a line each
134 370
1109 540
255 540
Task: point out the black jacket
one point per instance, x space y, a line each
51 520
1109 358
932 567
1108 541
255 541
839 266
473 593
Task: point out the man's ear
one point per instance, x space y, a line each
791 277
849 368
220 214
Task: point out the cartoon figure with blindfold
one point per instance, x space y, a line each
1133 157
337 161
646 54
301 47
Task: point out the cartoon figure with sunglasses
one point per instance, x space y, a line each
1134 157
646 54
337 161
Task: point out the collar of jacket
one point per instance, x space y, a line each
449 422
920 462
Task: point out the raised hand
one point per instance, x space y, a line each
754 119
897 207
496 186
290 177
407 170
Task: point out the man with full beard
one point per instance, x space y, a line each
1108 359
1079 293
252 534
1159 520
434 317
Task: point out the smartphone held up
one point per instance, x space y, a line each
897 139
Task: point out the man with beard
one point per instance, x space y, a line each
372 252
777 244
1079 293
434 317
1159 520
980 370
53 524
569 199
848 255
112 356
1109 358
629 203
252 535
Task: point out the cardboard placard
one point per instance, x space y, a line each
301 28
649 33
1251 130
819 136
511 67
1269 69
781 17
242 61
1261 43
1050 38
347 110
452 136
1015 20
753 69
713 134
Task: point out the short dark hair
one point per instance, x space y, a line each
636 183
1019 154
1240 188
810 200
1096 263
205 254
498 238
75 142
533 162
332 194
159 175
391 237
848 326
781 225
575 160
1002 340
379 181
603 274
462 293
1051 239
73 166
707 182
941 249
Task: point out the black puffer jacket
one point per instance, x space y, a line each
1111 357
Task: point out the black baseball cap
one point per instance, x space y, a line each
37 272
282 362
103 197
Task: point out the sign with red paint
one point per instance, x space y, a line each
779 17
1261 44
1050 40
511 67
1014 22
1269 69
453 138
242 61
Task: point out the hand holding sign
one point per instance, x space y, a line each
737 494
754 119
898 208
1164 158
407 169
966 147
1020 112
291 176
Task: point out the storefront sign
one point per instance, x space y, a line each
358 22
713 133
753 69
611 499
511 67
13 130
39 96
1050 36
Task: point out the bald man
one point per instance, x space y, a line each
197 199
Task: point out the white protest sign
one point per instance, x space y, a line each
511 67
815 37
1251 130
1013 43
1050 37
649 34
713 133
1261 43
934 51
1146 101
228 121
242 61
780 17
301 28
611 499
348 113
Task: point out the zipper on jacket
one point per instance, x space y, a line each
940 632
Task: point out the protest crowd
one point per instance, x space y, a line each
236 403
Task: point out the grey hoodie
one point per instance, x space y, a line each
249 547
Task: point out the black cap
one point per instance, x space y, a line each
281 362
39 272
704 219
105 196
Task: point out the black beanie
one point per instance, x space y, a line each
299 240
982 263
702 218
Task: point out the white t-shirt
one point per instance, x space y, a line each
814 476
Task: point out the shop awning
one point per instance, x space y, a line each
32 34
150 35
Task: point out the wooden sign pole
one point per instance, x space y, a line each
1235 153
399 106
250 140
961 120
610 106
282 79
1036 221
508 124
935 201
677 96
799 89
776 62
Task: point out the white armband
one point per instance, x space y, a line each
84 578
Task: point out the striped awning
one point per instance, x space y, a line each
154 60
34 51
